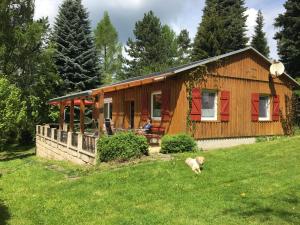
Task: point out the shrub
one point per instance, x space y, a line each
12 111
122 146
177 143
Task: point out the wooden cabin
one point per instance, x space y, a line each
235 97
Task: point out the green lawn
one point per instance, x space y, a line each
257 184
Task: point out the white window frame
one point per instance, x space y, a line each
215 118
268 118
107 101
152 94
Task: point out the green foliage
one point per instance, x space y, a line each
184 47
76 57
121 147
259 40
26 59
288 41
234 26
152 50
12 111
170 45
109 49
177 143
222 29
268 138
208 38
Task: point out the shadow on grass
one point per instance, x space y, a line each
4 213
283 209
13 152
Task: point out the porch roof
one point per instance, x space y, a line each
71 96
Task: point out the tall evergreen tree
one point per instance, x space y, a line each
259 40
208 40
170 46
76 57
232 14
109 49
146 51
222 29
288 37
184 47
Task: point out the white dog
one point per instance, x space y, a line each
195 164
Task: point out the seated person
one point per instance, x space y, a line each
147 127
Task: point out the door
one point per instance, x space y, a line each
132 114
129 115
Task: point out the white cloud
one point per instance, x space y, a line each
46 8
251 20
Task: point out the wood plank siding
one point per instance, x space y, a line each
241 74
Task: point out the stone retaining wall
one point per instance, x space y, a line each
50 145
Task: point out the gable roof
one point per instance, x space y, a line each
179 69
170 72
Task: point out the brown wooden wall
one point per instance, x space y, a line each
241 74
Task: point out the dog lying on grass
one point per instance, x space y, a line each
195 164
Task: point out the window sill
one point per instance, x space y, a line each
209 120
264 120
156 118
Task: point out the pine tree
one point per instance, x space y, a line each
147 52
76 57
208 40
222 29
109 49
288 40
184 47
170 46
233 29
259 40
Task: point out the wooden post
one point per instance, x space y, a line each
72 116
82 110
101 112
61 115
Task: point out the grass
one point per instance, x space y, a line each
254 184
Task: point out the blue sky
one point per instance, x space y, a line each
179 14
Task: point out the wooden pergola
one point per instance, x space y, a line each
82 99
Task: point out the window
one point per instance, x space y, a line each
156 105
264 108
209 105
108 108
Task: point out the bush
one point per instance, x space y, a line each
122 146
177 143
12 111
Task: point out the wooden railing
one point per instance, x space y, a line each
88 143
49 132
55 134
74 141
82 143
64 137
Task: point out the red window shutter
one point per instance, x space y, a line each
196 105
165 113
276 103
255 107
145 108
225 102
